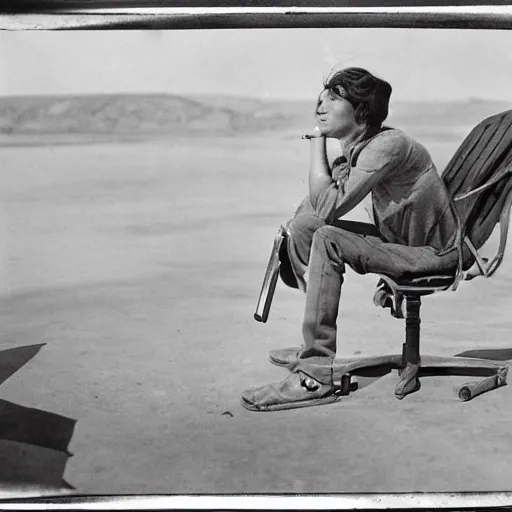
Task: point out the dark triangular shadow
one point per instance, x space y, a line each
33 426
497 354
28 465
13 359
33 446
65 485
33 443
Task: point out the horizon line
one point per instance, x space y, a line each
231 96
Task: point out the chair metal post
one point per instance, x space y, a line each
412 330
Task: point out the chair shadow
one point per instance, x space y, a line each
33 443
497 354
367 376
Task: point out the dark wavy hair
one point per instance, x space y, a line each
368 95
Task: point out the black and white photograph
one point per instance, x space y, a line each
265 261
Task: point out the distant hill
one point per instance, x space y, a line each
134 116
107 114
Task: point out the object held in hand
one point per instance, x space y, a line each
316 133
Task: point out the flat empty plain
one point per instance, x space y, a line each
139 266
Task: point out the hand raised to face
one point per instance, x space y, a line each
315 133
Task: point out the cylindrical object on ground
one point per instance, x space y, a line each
472 389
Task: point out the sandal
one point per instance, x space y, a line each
297 390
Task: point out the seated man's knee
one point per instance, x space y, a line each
322 236
304 226
325 241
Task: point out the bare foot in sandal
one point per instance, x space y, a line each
297 390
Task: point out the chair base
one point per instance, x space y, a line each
495 372
410 364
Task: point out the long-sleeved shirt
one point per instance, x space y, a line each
409 201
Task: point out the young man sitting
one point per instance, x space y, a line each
412 229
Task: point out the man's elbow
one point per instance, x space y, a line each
322 208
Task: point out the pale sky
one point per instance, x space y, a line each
421 64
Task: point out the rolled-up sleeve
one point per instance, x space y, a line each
381 157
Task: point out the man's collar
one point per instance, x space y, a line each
355 149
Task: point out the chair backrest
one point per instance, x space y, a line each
479 177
